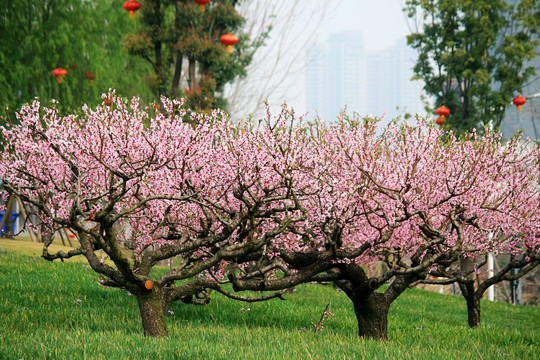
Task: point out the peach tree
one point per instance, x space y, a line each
266 206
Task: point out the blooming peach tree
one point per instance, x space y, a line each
137 190
266 207
415 198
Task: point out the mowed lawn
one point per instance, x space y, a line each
58 311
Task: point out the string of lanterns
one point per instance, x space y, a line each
229 40
131 6
443 111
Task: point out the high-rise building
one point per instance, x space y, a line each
341 73
334 75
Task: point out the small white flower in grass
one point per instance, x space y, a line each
78 300
170 312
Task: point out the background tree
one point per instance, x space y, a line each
83 37
182 44
465 272
94 36
408 199
472 55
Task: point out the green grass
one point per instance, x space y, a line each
41 319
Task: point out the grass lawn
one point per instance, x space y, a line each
58 311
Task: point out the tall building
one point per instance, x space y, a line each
334 75
342 74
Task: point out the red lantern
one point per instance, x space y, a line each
59 73
443 111
202 4
132 6
90 78
440 121
519 101
229 40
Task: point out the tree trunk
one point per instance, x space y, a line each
152 314
473 304
191 73
372 315
473 311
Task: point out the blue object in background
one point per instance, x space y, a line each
14 217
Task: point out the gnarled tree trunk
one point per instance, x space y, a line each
152 313
370 307
372 315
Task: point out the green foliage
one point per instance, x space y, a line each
472 55
42 319
83 37
101 48
175 35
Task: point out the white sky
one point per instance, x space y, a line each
381 22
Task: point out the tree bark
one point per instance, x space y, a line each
372 315
473 304
152 313
370 307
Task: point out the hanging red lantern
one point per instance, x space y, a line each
90 78
132 6
229 40
440 121
519 101
443 111
59 73
202 4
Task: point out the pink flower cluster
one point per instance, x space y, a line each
306 185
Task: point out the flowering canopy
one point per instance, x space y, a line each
236 202
394 192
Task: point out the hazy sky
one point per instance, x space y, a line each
381 22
